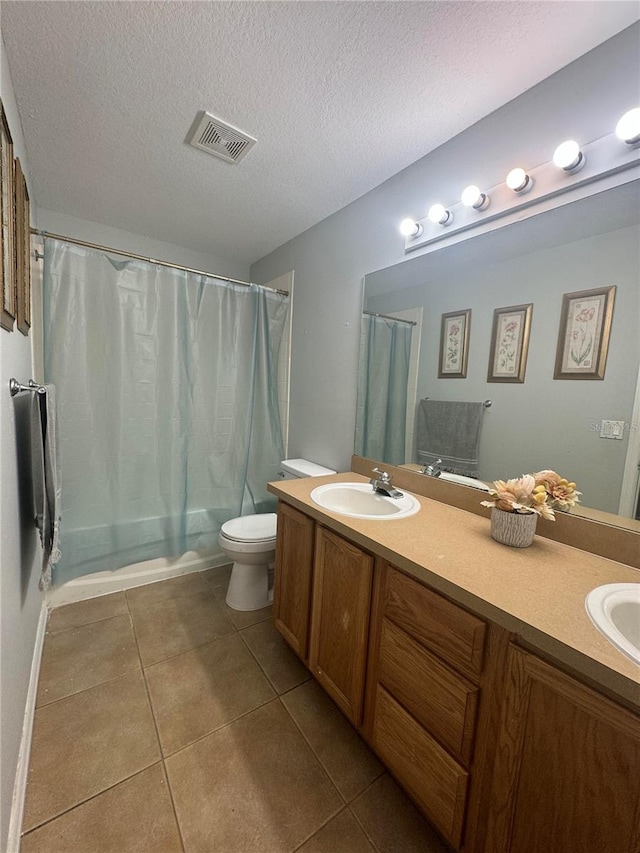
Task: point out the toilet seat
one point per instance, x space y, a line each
251 528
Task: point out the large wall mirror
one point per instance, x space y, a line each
540 422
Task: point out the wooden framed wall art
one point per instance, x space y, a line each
23 252
583 337
510 343
7 226
454 344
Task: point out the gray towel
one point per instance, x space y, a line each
46 485
450 430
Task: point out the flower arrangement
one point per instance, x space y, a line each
539 493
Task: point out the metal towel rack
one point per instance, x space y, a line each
487 403
16 387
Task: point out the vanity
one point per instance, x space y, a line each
470 668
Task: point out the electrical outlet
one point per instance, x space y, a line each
612 429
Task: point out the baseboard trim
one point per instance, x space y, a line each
22 768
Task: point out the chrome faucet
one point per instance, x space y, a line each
433 470
382 484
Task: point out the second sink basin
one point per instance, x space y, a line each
615 610
461 480
358 500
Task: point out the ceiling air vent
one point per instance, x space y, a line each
220 139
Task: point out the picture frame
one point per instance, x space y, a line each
23 252
454 344
584 333
7 226
510 343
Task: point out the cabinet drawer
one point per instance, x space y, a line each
437 697
436 782
446 629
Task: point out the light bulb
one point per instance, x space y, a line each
410 228
473 197
568 156
628 128
519 181
439 215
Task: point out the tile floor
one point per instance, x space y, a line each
167 722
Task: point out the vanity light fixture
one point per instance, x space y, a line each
569 157
519 181
628 128
473 197
410 228
604 157
439 215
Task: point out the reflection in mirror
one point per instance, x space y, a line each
542 422
382 411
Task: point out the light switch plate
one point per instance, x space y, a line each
612 429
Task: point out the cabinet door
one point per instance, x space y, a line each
566 775
340 620
292 582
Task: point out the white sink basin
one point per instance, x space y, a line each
615 610
358 500
461 480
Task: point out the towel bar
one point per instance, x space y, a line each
16 388
487 403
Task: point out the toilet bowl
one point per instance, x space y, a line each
250 541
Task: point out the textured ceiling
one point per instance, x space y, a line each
340 95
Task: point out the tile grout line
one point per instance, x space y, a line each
183 651
290 690
91 686
155 726
357 819
220 728
84 624
186 651
88 799
263 670
85 689
320 828
361 825
317 757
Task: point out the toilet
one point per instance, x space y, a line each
250 541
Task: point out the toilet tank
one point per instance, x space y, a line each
291 468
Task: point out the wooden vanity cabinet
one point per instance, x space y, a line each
340 620
502 751
425 662
293 577
567 770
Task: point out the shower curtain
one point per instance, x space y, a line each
167 404
383 375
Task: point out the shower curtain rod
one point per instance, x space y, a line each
150 260
389 317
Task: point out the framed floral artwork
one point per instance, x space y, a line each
7 226
23 252
510 343
583 338
454 344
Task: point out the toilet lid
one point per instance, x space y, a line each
251 528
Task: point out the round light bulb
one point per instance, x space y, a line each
568 156
439 215
628 128
410 228
519 181
473 197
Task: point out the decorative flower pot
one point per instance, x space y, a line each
513 528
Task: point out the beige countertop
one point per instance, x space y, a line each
536 592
